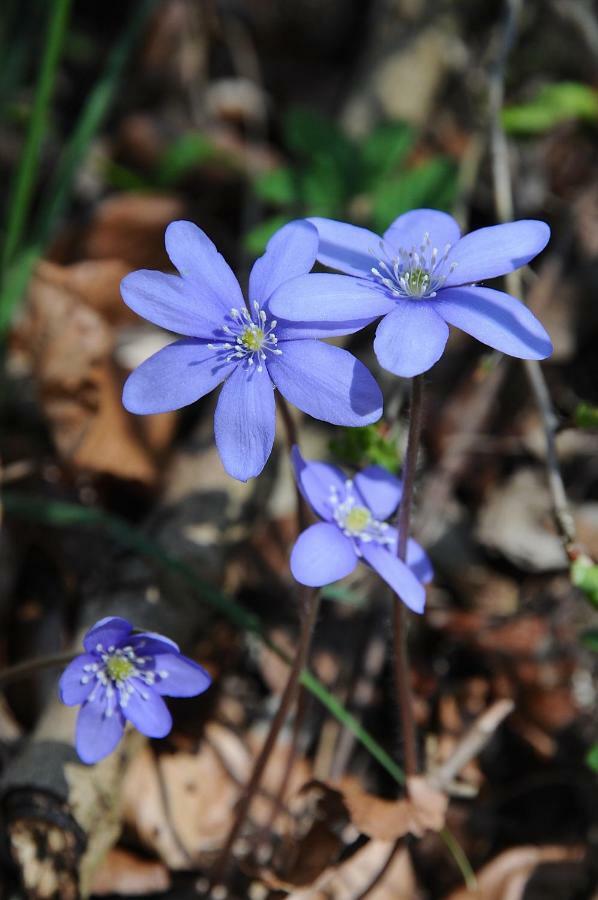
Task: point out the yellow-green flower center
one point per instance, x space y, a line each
253 338
357 519
119 668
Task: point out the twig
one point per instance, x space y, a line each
401 656
503 198
31 666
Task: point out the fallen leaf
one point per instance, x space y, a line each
385 820
125 873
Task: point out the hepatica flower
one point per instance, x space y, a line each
353 529
122 676
422 276
243 346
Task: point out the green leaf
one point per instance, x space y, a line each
385 149
184 154
278 187
308 133
586 416
367 445
589 639
584 575
342 594
553 104
323 189
123 178
256 238
592 758
433 183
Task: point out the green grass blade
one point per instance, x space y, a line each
27 172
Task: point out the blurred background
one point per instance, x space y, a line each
117 119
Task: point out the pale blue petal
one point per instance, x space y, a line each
346 248
495 319
148 643
380 491
146 710
489 252
174 377
335 299
198 261
172 303
409 230
419 562
395 573
321 555
70 687
326 382
97 734
317 481
289 253
244 422
109 632
179 676
411 338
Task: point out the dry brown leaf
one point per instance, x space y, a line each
125 873
95 282
386 820
506 877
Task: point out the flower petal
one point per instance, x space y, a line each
326 382
175 376
146 710
380 491
149 643
321 555
72 690
419 562
180 676
409 229
97 734
109 632
316 481
198 261
289 253
489 252
347 248
411 338
244 422
496 319
172 303
336 299
395 573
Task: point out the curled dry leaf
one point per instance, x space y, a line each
125 873
386 820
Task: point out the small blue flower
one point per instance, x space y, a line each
354 528
422 276
245 347
123 676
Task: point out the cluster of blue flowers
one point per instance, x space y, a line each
418 278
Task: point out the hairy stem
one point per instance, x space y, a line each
31 666
401 655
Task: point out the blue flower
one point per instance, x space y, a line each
421 276
354 528
123 676
243 346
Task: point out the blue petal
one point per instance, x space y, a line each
395 573
320 298
148 643
411 338
489 252
409 229
326 382
146 710
346 248
97 734
109 632
172 303
198 261
180 676
321 555
244 422
72 691
289 252
380 491
496 319
316 481
174 377
419 562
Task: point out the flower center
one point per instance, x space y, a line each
119 668
253 337
417 273
114 669
355 520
